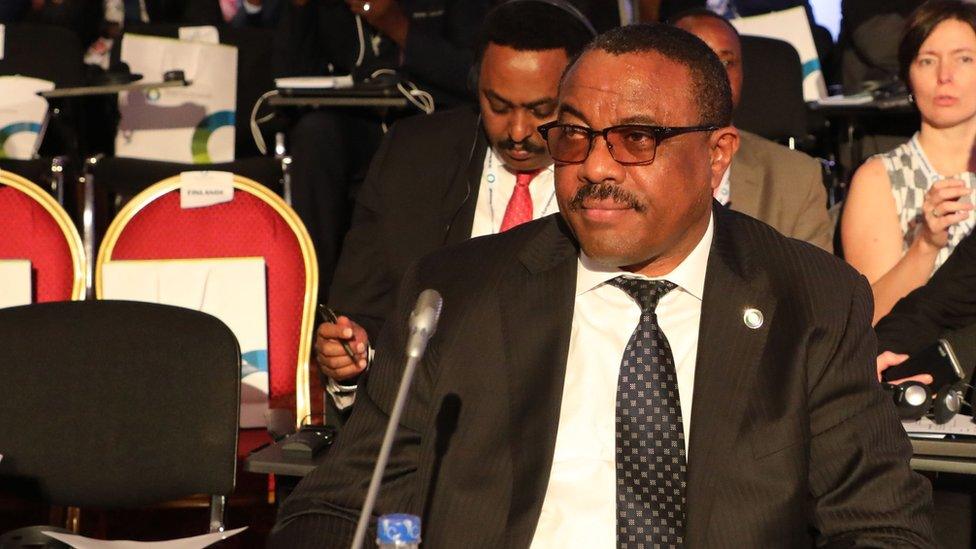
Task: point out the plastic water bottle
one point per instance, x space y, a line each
398 532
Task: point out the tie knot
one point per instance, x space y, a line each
645 292
522 179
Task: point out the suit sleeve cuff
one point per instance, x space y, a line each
344 395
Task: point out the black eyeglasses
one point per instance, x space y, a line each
629 144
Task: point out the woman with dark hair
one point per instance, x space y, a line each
908 208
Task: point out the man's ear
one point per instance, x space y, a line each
724 143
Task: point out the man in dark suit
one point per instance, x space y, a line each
776 185
427 42
946 303
444 178
541 416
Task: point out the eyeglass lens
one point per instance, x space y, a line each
628 144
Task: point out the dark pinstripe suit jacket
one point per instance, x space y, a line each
792 439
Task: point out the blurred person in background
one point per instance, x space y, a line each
429 43
908 209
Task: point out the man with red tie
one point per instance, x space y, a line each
444 178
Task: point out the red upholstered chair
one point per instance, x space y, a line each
34 226
256 223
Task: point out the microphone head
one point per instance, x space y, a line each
423 321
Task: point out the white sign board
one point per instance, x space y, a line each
193 124
790 26
231 289
22 114
15 282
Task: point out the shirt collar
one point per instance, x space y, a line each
689 275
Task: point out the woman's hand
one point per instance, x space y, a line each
944 206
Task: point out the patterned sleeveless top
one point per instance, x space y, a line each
911 174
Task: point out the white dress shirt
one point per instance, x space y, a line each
495 190
723 193
580 507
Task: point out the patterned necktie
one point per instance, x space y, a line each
650 438
519 209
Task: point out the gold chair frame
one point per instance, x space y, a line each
61 217
133 207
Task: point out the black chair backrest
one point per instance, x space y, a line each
37 171
43 51
116 403
129 176
254 72
772 90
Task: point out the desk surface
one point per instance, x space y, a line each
331 101
946 456
884 107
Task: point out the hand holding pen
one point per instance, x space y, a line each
340 346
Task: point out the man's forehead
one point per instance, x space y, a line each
632 84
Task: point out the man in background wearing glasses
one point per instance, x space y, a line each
646 368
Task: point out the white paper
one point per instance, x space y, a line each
192 125
195 542
15 282
205 188
314 82
205 33
960 424
3 39
231 289
790 26
856 99
22 114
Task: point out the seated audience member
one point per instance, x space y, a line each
553 407
908 209
453 175
770 182
428 42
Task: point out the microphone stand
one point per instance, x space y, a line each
423 322
391 427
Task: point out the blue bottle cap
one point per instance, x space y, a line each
398 528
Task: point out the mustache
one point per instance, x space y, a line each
606 191
510 144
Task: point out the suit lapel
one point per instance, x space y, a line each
537 311
745 181
461 197
729 353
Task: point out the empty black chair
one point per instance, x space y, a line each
49 173
118 404
43 51
772 102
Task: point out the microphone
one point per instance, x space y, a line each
423 321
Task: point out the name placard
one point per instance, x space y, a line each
205 188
